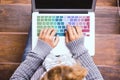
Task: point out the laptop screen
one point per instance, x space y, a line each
63 4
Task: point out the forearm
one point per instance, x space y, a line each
87 61
81 54
27 68
33 60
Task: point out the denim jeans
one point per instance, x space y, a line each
28 47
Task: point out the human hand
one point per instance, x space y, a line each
48 36
73 33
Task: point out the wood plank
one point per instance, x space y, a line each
110 72
99 2
15 18
107 49
15 1
12 46
106 2
7 70
107 20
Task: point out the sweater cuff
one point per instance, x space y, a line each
42 48
77 47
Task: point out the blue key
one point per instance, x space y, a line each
61 16
76 16
68 17
56 19
62 23
59 26
60 19
61 31
58 23
57 16
63 27
72 16
73 23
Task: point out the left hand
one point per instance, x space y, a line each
48 36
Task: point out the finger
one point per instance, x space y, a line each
56 41
66 37
53 33
45 31
49 31
74 31
79 30
41 34
70 32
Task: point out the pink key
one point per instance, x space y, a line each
85 27
88 16
87 19
88 26
88 23
85 30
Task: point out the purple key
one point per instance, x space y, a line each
76 16
71 19
73 23
75 19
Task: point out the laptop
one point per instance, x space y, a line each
57 14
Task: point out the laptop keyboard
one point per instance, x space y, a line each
60 22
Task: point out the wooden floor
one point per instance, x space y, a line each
15 18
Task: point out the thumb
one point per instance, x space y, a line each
56 41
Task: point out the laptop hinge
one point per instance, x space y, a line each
68 12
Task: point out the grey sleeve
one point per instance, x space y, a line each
80 53
32 62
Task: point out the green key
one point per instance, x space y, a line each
43 23
38 23
53 19
54 23
49 16
53 16
46 16
55 26
49 19
42 16
48 26
38 26
47 23
51 23
38 17
42 19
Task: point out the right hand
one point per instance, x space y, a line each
73 33
48 36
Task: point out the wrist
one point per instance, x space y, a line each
77 47
42 48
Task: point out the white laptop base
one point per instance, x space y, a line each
61 47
